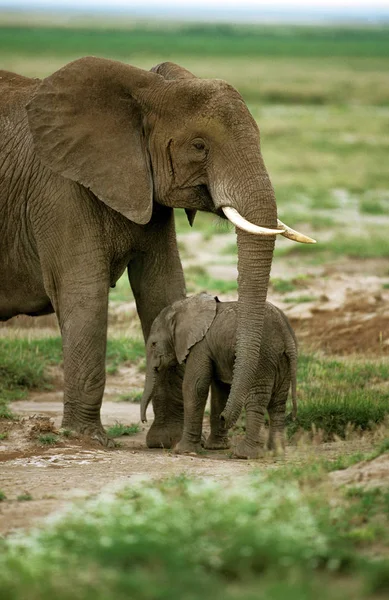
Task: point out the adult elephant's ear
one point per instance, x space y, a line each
190 320
87 121
170 70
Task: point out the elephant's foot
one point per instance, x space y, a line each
94 431
217 443
184 447
244 450
277 444
164 436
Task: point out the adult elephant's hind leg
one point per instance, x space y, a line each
276 410
83 322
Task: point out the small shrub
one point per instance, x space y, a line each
3 436
2 496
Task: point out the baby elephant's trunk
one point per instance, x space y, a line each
147 392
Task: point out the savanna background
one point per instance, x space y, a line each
146 524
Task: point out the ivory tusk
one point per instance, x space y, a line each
239 221
294 235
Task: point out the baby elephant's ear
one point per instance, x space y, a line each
192 318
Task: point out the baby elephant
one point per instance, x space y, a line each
202 331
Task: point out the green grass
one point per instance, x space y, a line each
123 350
48 439
2 496
338 397
370 245
133 396
119 429
272 535
23 364
26 497
198 280
373 207
3 436
122 291
300 299
196 39
282 286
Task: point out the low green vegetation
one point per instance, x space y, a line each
2 496
204 40
282 286
374 207
123 350
3 436
339 397
26 497
268 535
48 439
24 363
199 280
370 245
133 396
119 429
299 299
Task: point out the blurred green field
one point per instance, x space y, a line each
319 94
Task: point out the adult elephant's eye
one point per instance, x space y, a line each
199 145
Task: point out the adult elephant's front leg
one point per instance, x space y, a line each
83 322
157 280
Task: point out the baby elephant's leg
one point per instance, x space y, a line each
276 410
253 444
218 439
197 379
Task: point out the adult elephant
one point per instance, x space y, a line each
92 160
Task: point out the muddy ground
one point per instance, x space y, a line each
347 314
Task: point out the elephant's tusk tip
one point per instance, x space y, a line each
294 235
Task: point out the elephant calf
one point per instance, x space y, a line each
202 331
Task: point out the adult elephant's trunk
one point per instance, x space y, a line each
255 253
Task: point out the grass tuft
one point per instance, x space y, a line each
48 439
134 396
337 397
26 497
119 429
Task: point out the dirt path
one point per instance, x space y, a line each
73 469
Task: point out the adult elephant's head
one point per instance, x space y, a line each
135 137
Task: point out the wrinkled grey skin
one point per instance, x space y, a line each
93 159
202 332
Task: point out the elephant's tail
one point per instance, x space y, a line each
293 376
291 353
